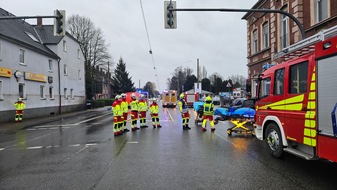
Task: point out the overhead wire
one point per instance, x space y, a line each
150 51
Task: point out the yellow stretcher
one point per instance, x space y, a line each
241 126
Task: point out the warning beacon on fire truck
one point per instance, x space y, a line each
297 100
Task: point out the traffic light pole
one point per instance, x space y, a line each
252 11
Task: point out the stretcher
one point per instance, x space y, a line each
241 118
199 108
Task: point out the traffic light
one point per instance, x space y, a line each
170 17
59 22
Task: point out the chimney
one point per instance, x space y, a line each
39 21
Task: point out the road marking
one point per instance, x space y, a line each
52 126
90 144
75 145
34 147
92 118
169 115
132 142
2 149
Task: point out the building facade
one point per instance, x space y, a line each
46 71
268 34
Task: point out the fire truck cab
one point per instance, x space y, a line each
296 103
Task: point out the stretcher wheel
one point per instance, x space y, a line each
229 132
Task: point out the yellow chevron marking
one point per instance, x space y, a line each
310 114
309 132
312 95
310 123
296 99
313 86
309 141
313 78
311 105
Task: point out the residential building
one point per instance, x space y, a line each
269 33
47 71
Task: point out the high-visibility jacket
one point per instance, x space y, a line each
182 106
117 108
142 105
208 108
125 105
19 105
154 109
134 105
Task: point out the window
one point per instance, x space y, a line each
264 88
72 93
65 93
79 75
64 45
284 31
321 11
78 53
1 91
42 92
22 90
22 56
65 69
50 63
255 40
279 82
265 36
298 78
51 94
32 37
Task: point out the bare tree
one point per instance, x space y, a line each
93 46
239 79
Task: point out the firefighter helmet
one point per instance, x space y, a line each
182 96
208 99
123 95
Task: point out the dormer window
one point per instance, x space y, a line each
32 37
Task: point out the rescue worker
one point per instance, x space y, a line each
184 112
20 106
125 108
208 114
134 112
142 108
154 110
118 114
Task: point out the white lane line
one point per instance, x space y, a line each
133 142
2 149
92 118
49 126
74 154
90 144
169 115
75 145
48 146
34 147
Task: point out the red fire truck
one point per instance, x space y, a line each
190 98
296 100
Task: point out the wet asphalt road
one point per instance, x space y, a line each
82 153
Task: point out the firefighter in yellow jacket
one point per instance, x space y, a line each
142 108
154 110
125 108
185 116
20 106
118 116
208 114
134 112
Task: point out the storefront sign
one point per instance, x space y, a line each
5 72
35 77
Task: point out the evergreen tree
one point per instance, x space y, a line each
121 82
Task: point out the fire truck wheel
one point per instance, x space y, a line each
274 140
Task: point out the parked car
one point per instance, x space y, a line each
216 100
238 102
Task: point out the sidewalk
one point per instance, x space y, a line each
12 127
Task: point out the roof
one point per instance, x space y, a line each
18 31
202 91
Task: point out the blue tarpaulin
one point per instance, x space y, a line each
242 112
197 105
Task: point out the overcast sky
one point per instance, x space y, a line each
217 39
